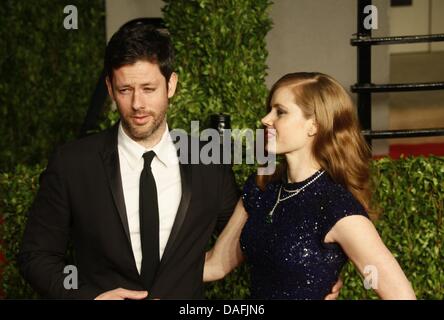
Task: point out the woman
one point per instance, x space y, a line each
297 227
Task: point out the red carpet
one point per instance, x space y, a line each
427 149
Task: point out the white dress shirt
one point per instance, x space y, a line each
166 172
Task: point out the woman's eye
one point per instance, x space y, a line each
280 112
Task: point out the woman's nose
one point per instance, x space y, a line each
267 121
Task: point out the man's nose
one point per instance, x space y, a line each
137 102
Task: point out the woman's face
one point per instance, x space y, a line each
292 131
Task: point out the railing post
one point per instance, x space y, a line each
364 70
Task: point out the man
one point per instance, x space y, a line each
89 192
139 221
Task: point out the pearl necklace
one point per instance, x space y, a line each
293 193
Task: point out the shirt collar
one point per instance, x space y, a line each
133 151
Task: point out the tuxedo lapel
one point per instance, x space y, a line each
186 184
110 159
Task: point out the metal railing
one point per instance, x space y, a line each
364 86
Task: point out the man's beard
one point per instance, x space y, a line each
140 133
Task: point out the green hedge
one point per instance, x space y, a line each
221 59
409 191
48 74
18 190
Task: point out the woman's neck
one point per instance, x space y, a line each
300 166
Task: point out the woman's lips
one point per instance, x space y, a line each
270 134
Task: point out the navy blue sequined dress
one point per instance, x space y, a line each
288 258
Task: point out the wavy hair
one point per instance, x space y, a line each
338 145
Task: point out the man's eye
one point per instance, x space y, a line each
124 91
148 89
280 112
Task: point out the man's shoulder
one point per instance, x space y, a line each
89 145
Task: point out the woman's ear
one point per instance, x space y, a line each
313 128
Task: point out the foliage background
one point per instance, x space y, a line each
410 196
221 59
48 74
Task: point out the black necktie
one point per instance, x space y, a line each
149 222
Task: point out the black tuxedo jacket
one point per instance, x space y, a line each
81 200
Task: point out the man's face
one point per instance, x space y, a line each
141 94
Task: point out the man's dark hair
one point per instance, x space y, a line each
135 41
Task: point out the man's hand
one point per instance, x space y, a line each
335 290
122 294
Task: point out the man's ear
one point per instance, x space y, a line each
172 84
109 86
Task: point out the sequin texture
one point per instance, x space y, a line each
288 258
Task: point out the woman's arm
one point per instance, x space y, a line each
226 253
361 242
